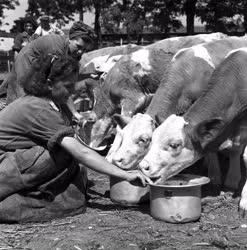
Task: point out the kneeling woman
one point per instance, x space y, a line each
41 172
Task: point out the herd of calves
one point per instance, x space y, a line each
170 104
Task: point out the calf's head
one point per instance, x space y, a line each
132 141
176 145
120 92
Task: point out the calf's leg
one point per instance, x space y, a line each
233 175
243 199
214 171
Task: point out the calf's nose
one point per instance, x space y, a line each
117 160
144 166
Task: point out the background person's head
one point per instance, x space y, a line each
29 28
53 77
81 39
45 22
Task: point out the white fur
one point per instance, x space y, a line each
243 200
142 56
174 39
200 51
160 158
172 128
179 52
212 37
109 63
235 50
127 147
97 61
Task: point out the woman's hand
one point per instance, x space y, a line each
134 175
95 76
77 116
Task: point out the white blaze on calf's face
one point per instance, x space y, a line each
97 61
167 155
109 63
136 136
142 57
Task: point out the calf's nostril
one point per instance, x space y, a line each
117 160
144 165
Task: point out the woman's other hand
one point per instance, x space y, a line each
134 175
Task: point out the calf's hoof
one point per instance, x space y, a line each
242 207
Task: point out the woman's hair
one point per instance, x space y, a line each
46 71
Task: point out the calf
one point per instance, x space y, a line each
174 43
187 79
134 77
98 63
219 115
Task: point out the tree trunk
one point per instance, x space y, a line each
190 9
245 17
97 27
80 9
81 12
125 5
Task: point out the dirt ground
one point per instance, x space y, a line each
109 226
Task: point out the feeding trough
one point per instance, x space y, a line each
178 200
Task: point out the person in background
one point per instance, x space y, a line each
42 158
22 39
46 28
81 39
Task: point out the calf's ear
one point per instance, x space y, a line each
206 131
157 120
142 103
121 120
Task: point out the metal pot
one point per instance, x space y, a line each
126 193
178 200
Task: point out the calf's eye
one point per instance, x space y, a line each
174 145
143 141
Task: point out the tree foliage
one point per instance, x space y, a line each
19 24
138 16
59 10
166 14
7 4
216 13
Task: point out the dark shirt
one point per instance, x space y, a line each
50 44
31 121
44 45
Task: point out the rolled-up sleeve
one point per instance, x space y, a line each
58 137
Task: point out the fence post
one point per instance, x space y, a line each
8 61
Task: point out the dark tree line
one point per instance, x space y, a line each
138 16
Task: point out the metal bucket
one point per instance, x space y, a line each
127 194
178 200
82 104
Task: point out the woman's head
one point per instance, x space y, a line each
45 22
81 39
28 27
53 77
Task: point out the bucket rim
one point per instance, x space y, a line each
193 181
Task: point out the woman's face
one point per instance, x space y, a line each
29 28
77 47
63 89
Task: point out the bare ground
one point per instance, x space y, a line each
109 226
